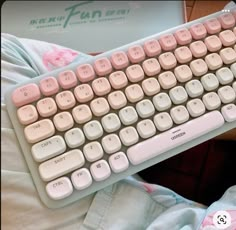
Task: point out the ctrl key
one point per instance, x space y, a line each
59 188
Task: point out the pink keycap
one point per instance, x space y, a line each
135 73
213 43
152 48
27 114
49 86
85 72
119 60
234 13
213 26
168 42
102 66
83 93
118 79
25 94
198 49
227 37
67 79
167 60
183 54
183 36
46 107
136 54
65 100
198 31
101 86
227 20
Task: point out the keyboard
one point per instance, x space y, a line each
90 124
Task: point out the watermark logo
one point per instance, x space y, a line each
222 219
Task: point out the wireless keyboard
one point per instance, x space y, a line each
90 124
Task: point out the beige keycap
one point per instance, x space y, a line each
101 86
118 162
213 43
65 100
178 95
93 151
162 101
111 122
134 73
128 115
167 60
146 128
129 136
198 67
134 93
233 69
163 121
167 80
228 55
46 107
179 114
151 86
117 99
234 86
183 73
194 88
27 114
213 61
196 107
226 94
183 54
93 130
99 106
198 49
211 101
209 82
63 121
83 93
224 75
229 112
145 108
82 114
111 143
151 67
227 37
118 79
39 130
74 137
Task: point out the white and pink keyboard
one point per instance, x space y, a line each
91 124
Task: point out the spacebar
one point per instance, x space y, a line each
174 137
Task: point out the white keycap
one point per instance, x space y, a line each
61 165
74 137
183 73
211 100
213 61
198 67
229 112
226 94
117 99
111 143
135 73
93 151
145 108
167 80
82 114
48 148
99 106
111 122
128 136
234 86
162 101
233 69
59 188
194 88
151 67
39 130
196 107
118 79
178 95
163 121
63 121
81 178
146 128
179 114
228 55
118 162
151 86
209 82
93 130
174 137
128 115
100 170
224 75
134 93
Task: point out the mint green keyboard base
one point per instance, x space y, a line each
76 195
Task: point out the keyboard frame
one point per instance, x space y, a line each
76 195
